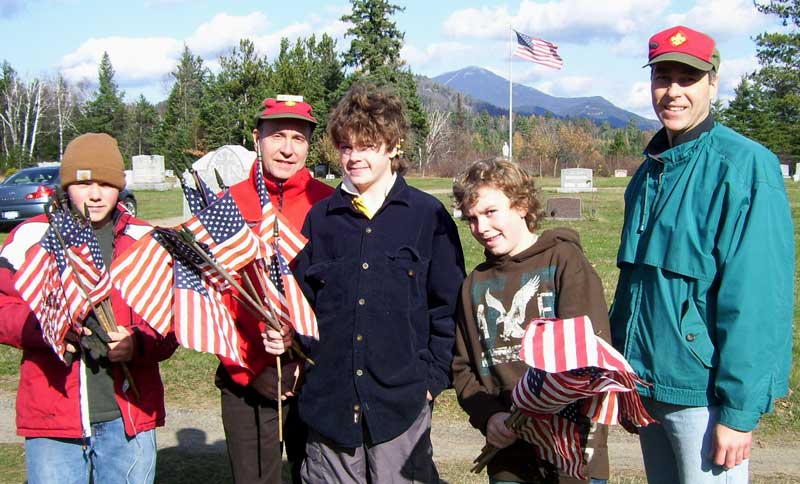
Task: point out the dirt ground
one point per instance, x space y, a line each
201 430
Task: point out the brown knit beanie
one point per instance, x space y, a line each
93 157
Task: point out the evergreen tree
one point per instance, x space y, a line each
767 102
140 132
179 134
375 54
376 39
105 112
234 96
311 69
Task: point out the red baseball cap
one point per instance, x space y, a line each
285 106
682 44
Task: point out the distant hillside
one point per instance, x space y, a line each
486 91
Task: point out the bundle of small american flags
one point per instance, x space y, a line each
575 379
175 277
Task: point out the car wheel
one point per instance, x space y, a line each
130 205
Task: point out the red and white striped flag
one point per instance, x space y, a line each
39 283
575 378
144 277
202 321
283 292
538 50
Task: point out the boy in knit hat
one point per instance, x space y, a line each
526 275
703 307
81 420
382 270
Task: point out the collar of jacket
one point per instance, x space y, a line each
341 200
659 147
296 182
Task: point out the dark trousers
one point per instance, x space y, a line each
251 432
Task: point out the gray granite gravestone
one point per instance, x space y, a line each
562 208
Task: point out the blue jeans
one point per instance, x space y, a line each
677 449
109 456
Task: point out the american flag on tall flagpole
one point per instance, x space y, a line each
575 379
538 50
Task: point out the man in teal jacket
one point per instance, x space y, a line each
703 307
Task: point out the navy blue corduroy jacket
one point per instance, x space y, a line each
384 291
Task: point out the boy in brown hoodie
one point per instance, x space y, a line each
525 275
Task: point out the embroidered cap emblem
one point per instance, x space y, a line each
677 39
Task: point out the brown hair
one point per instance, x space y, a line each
369 115
505 176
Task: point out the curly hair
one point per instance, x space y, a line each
505 176
369 115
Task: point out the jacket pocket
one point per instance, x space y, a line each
406 279
696 335
327 284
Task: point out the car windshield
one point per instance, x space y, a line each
31 177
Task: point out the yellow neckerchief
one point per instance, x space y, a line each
360 203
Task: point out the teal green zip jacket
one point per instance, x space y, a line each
703 307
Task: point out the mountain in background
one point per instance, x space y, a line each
486 91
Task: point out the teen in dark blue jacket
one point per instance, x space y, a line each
382 270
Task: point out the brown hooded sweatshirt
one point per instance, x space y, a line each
552 278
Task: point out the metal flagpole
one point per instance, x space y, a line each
510 97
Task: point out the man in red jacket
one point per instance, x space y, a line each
81 420
249 395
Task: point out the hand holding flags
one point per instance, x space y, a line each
575 379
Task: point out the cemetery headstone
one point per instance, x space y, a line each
620 173
785 170
797 172
232 162
563 208
148 173
576 180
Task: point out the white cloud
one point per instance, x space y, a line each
721 19
637 99
224 31
140 61
579 21
731 72
135 60
482 23
433 54
573 86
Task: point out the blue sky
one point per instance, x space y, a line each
603 42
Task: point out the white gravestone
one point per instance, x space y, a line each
620 173
148 173
232 162
797 172
785 170
576 180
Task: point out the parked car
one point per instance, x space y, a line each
27 192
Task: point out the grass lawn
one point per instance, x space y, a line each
188 376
